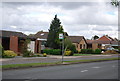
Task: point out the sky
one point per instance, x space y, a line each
77 18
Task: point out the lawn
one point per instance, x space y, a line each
82 54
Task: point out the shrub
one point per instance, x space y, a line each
68 44
56 52
48 51
68 53
9 54
83 51
27 53
79 51
97 51
90 51
118 50
52 51
44 54
1 50
87 51
72 48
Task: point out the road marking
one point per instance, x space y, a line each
96 67
84 70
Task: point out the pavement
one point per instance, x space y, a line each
96 70
50 58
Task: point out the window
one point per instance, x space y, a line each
80 46
84 46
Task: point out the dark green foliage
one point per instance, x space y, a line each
70 46
52 51
115 3
87 51
72 49
95 37
48 51
1 49
53 36
56 52
83 51
97 51
27 53
118 50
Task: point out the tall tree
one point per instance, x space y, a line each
115 3
95 37
53 36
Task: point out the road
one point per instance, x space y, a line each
96 70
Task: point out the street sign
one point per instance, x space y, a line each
61 36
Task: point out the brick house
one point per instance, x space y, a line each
79 42
12 40
41 38
103 42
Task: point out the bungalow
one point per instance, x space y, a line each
103 42
12 40
41 38
79 42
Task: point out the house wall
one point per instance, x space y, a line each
83 43
94 46
31 46
37 46
14 43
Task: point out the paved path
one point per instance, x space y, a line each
97 70
22 60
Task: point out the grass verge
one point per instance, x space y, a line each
93 60
82 54
15 66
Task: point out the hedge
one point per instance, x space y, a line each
52 51
91 51
87 51
97 51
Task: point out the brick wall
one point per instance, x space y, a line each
94 46
14 43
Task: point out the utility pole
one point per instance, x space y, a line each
61 37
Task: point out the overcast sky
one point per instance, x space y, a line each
78 18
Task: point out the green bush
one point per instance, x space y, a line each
90 51
9 54
56 52
48 51
27 53
87 51
52 51
97 51
1 50
68 53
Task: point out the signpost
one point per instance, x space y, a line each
61 36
